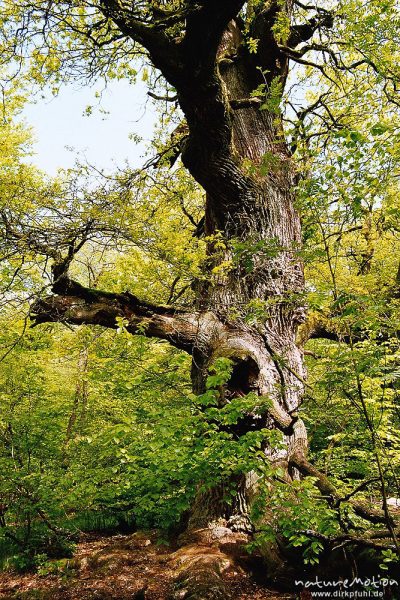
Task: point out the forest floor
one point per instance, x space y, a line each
118 567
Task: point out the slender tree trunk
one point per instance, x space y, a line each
80 396
79 403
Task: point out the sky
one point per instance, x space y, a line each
60 125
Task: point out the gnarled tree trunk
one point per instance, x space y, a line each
257 231
236 151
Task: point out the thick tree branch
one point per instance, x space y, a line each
298 461
189 63
163 49
320 330
346 539
203 21
305 31
78 305
359 488
268 55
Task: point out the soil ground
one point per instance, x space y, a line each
119 567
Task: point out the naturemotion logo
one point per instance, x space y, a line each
356 588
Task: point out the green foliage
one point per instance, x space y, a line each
139 447
221 370
247 253
252 45
388 557
293 511
281 27
273 97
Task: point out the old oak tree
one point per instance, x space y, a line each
226 66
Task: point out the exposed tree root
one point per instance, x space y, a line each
200 571
203 563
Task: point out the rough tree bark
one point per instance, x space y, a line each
236 151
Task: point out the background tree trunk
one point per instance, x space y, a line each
80 397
